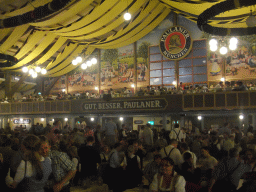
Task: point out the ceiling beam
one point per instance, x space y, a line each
48 90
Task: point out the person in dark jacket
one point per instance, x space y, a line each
89 158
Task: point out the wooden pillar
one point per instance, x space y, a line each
175 22
66 81
8 84
99 68
135 66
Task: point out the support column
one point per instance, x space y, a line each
164 122
99 68
254 121
246 122
32 121
72 122
176 73
8 84
66 81
135 67
100 120
202 123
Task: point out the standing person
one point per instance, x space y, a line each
63 170
228 172
177 133
33 173
172 152
147 137
111 133
115 173
133 169
89 158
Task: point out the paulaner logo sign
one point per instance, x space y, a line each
127 105
175 43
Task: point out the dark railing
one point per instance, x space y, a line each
219 100
160 104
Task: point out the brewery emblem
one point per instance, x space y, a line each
175 43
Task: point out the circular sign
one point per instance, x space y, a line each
175 43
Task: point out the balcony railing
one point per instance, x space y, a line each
219 100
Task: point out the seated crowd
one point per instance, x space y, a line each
146 91
53 159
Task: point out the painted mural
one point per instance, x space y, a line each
59 85
80 80
239 64
117 68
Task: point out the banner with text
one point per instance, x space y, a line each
155 104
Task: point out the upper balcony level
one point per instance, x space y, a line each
167 103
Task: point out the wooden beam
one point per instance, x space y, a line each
7 84
47 91
17 85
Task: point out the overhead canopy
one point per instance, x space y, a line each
83 26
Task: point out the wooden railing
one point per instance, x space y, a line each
219 100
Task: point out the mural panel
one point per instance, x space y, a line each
117 68
81 80
235 65
59 85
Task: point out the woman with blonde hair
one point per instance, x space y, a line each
32 173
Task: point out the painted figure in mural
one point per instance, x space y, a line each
215 68
174 44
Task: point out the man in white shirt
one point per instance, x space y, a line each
111 133
172 152
184 148
177 133
147 135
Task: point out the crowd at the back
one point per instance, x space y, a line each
54 159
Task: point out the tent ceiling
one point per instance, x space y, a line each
84 26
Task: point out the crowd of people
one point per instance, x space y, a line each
179 160
143 91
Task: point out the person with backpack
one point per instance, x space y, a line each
172 152
177 133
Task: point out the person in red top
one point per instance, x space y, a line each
182 86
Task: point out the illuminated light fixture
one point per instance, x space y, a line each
42 119
94 61
232 47
174 82
92 119
233 41
74 62
84 66
96 88
21 120
223 50
38 69
127 16
31 71
222 79
241 117
213 47
213 42
34 75
66 119
79 59
43 71
24 69
132 85
63 90
53 120
199 118
121 118
89 63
